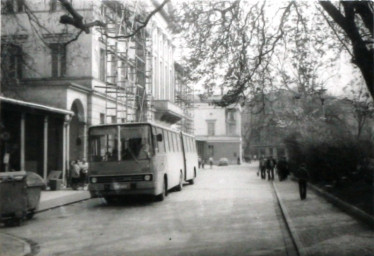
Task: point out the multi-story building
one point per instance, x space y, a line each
217 130
82 79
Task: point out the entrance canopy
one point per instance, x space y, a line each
36 106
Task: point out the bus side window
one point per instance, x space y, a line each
155 143
187 144
167 140
161 144
173 141
178 138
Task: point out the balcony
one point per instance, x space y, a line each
167 111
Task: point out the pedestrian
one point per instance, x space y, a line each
282 168
199 160
262 167
83 171
75 174
202 163
303 176
270 165
211 162
238 160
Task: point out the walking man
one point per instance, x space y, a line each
211 162
303 177
262 167
270 164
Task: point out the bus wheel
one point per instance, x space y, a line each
162 196
180 185
110 199
192 181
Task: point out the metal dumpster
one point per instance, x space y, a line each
35 184
13 197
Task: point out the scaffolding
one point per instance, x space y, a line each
184 99
128 62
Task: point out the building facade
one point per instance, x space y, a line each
103 76
217 130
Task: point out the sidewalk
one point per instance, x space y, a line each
52 199
319 228
13 246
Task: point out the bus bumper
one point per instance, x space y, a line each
121 189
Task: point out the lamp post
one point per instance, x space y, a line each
321 93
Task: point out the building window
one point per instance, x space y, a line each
58 55
102 118
211 128
231 129
102 65
114 119
12 6
53 5
231 122
12 59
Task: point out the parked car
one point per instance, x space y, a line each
223 161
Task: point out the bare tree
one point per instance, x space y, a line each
240 40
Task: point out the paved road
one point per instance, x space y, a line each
229 211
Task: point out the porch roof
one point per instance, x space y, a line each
36 106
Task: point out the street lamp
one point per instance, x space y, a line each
320 93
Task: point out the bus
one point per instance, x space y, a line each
139 159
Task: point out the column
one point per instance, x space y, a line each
85 141
45 149
68 144
64 154
23 141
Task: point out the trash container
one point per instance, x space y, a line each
35 184
13 197
54 181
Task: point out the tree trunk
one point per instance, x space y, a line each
363 57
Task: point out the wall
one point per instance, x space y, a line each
229 150
203 112
37 54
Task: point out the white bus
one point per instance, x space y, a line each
139 158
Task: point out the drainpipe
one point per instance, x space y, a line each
23 118
45 149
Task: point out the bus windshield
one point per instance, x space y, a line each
135 143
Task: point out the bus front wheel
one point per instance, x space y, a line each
192 181
180 185
163 194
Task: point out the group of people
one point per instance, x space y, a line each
78 173
202 162
269 164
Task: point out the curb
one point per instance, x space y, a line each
26 246
348 208
301 250
65 200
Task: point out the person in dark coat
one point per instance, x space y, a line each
282 168
302 175
270 165
262 166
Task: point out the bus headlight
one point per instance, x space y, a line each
147 177
94 180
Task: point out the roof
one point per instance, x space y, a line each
36 106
